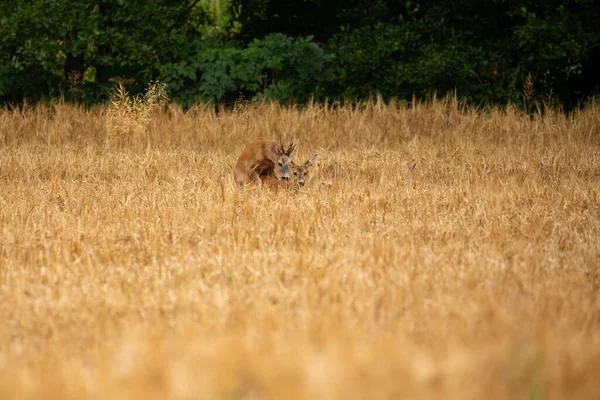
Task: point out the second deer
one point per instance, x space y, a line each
300 172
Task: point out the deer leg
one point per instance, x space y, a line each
255 177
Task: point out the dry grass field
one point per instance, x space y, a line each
434 253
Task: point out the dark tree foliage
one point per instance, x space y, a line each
298 49
75 47
482 50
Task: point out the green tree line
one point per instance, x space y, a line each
485 52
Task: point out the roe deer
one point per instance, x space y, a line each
263 156
300 171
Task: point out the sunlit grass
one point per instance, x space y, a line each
433 253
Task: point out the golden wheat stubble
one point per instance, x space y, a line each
435 252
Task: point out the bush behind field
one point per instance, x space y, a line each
295 50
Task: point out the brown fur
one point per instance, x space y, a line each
278 184
261 157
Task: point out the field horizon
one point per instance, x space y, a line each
434 252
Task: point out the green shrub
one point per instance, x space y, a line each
277 67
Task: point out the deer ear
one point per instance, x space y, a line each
276 148
310 161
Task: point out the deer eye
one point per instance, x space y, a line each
295 173
280 164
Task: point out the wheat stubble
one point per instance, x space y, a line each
433 253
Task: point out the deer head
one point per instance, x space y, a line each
300 171
282 161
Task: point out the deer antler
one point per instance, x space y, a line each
291 148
